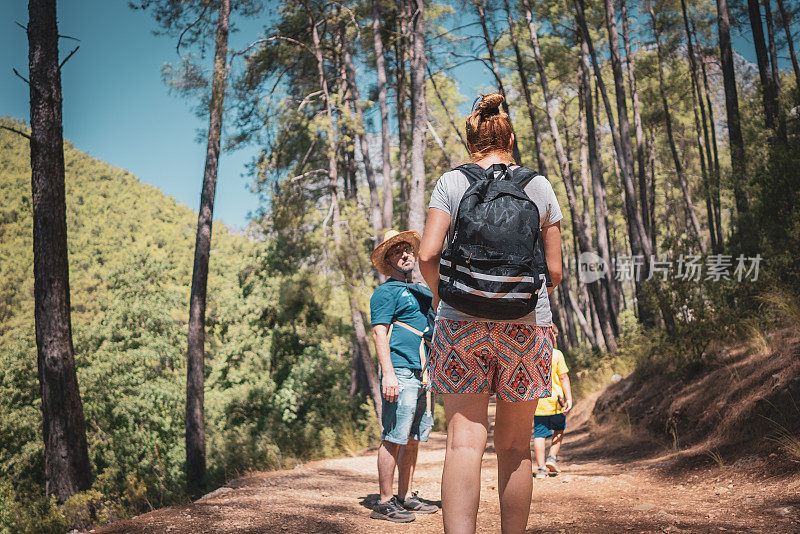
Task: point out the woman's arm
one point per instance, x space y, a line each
551 237
430 249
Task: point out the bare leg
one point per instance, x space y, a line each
538 450
387 460
407 460
512 441
467 428
558 437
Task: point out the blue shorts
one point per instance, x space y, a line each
407 417
544 425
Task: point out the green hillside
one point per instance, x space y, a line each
274 388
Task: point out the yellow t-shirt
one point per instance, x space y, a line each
558 367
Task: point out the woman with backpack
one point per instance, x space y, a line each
494 333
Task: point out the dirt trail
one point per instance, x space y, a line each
607 485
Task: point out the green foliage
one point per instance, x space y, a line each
277 350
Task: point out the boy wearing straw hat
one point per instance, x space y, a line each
399 310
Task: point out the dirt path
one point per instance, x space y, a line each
606 486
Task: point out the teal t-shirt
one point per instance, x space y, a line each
408 303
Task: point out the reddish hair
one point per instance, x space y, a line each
488 128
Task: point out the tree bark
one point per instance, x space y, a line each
496 71
598 184
701 129
402 118
375 212
640 244
344 264
769 86
562 341
537 136
365 359
66 459
582 232
195 367
651 149
691 218
625 153
715 197
786 23
569 317
738 163
386 164
586 328
637 118
419 112
583 139
773 51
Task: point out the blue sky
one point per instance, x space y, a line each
116 107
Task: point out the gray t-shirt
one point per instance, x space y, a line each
447 195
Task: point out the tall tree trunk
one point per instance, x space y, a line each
66 458
738 163
195 353
651 149
640 245
701 129
375 212
691 218
583 139
582 232
346 152
715 197
585 325
773 51
365 359
569 316
343 262
625 155
537 136
402 118
769 86
598 185
786 23
637 118
562 341
496 71
380 66
419 112
447 111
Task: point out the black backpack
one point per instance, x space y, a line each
494 265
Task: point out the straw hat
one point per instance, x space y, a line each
391 238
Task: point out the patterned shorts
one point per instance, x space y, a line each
511 360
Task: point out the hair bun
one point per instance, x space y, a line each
490 103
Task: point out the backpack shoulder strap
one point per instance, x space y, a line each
522 176
472 171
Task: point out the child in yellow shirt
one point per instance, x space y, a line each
550 417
